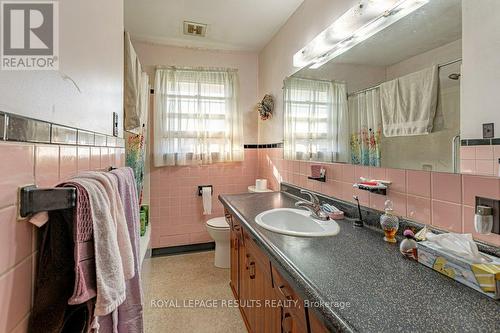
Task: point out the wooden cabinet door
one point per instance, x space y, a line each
267 313
293 312
245 282
234 262
315 325
291 322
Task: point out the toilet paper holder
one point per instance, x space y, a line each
200 189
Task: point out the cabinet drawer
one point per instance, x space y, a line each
258 255
293 304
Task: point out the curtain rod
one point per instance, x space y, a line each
200 69
378 85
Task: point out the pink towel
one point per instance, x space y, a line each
110 271
130 313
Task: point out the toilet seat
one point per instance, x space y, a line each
218 223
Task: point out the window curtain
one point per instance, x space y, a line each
197 118
365 120
315 124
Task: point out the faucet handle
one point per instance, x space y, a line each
314 198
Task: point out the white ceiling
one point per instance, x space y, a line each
232 24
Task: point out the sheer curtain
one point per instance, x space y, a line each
365 120
197 118
315 120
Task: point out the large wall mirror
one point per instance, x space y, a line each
392 100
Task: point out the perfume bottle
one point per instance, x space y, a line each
389 223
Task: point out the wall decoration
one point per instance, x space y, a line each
266 107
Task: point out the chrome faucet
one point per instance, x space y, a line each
314 206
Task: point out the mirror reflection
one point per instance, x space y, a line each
392 100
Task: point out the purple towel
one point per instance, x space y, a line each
130 313
83 235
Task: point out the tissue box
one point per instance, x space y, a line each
485 278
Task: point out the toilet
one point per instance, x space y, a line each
218 229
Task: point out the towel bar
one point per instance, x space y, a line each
33 199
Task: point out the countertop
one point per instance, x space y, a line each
385 291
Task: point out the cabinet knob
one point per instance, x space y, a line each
252 270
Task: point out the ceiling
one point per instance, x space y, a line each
232 24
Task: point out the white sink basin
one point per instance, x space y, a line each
296 222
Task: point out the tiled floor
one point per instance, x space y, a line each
179 279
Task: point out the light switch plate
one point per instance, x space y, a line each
488 131
115 124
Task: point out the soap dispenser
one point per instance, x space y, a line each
483 220
389 222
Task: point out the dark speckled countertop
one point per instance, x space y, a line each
385 292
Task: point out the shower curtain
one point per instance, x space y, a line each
365 124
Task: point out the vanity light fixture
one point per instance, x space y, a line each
354 26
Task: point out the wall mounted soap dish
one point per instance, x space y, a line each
373 186
319 179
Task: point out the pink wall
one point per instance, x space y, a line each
44 165
443 200
480 160
88 87
246 63
176 209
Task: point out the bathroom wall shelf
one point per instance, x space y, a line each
374 190
319 179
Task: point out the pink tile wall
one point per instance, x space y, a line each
480 160
44 165
445 201
176 209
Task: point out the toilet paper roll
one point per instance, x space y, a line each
261 184
206 193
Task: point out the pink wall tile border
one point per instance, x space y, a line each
467 153
485 167
95 158
473 186
480 160
418 183
15 239
15 295
447 187
68 162
484 152
18 172
83 158
46 165
419 209
447 216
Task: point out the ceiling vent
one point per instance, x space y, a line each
195 29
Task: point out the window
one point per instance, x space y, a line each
315 120
197 120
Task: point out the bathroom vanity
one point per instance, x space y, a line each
351 282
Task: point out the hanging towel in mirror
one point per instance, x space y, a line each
409 103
